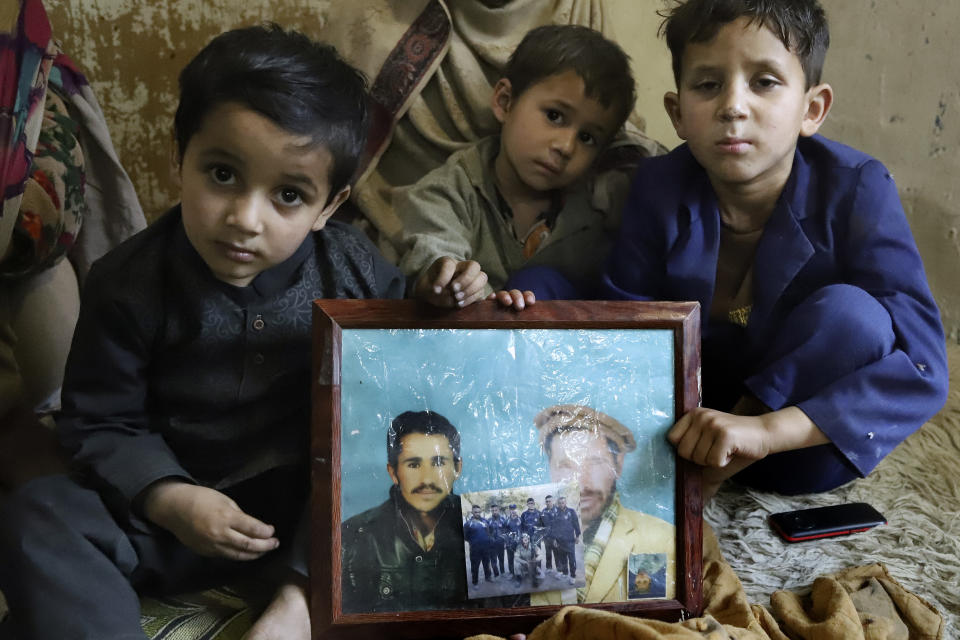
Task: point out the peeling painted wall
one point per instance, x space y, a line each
897 91
898 98
133 50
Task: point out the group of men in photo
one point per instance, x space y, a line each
555 529
558 528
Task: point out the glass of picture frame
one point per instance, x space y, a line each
475 470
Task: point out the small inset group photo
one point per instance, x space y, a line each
523 540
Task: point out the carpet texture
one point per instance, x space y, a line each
917 488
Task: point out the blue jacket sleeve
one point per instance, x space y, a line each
870 411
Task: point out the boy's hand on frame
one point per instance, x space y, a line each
451 284
207 521
715 439
514 298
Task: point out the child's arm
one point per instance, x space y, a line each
206 521
892 397
105 422
715 439
440 218
870 411
446 214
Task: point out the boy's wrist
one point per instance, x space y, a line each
156 502
790 428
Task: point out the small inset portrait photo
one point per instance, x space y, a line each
523 540
647 575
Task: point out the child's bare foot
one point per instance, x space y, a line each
287 617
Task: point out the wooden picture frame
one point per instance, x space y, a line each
422 359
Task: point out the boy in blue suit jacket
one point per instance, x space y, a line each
822 346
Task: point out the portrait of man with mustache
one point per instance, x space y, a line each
407 553
589 447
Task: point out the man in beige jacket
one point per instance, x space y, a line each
587 446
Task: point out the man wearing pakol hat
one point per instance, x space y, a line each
587 446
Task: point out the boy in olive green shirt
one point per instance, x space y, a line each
517 200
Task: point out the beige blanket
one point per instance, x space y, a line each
862 603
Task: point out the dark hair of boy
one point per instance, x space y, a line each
426 422
302 86
600 63
801 26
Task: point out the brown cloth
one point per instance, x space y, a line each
860 603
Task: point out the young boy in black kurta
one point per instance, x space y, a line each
186 397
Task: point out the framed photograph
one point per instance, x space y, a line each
475 470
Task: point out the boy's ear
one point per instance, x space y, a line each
502 99
671 102
819 101
331 208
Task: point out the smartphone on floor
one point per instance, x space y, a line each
826 522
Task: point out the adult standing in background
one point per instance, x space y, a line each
532 522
